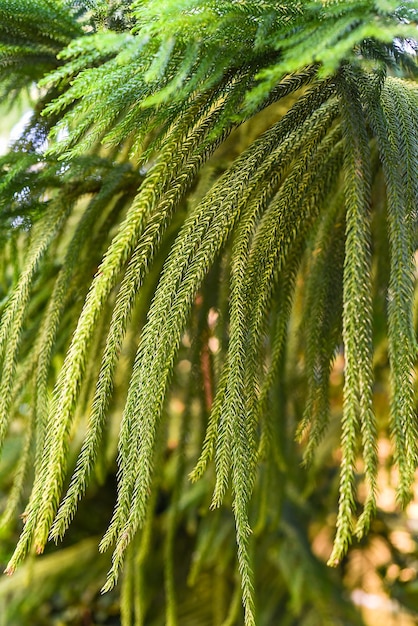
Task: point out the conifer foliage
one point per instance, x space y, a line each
196 173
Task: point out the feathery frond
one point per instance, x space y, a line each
192 174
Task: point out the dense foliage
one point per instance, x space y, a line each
213 203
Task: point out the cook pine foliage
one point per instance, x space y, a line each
218 195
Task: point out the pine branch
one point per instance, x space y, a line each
357 320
